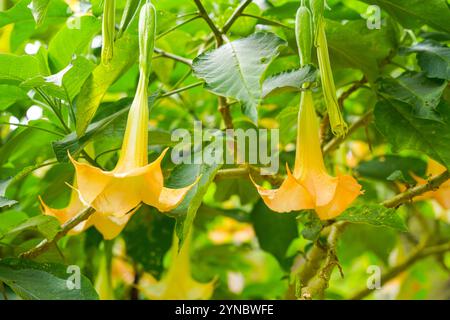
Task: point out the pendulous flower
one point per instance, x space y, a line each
310 186
177 283
108 225
133 180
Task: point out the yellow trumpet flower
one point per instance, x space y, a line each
133 180
177 283
108 225
310 186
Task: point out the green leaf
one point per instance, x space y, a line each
288 81
71 41
353 45
10 219
74 144
396 121
182 176
149 236
21 15
95 87
4 202
10 94
39 10
46 225
382 167
275 231
375 215
235 69
16 69
46 281
433 58
416 89
66 83
414 13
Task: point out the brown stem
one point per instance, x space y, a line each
236 14
172 56
45 244
212 26
409 194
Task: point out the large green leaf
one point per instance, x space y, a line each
21 15
66 83
10 219
416 89
288 81
16 69
375 215
95 87
414 13
46 225
10 94
149 236
353 45
71 41
235 69
275 231
396 121
39 10
47 281
433 58
182 176
383 167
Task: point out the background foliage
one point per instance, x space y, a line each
392 84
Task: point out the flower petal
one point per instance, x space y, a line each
110 226
90 180
347 190
291 196
120 195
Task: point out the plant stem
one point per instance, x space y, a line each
172 56
33 127
409 194
212 26
268 21
170 93
236 14
162 34
45 244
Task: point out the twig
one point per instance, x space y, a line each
172 56
224 110
45 244
419 254
162 34
317 286
268 21
212 26
409 194
169 93
236 14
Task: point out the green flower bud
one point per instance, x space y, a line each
147 31
338 125
303 34
108 30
